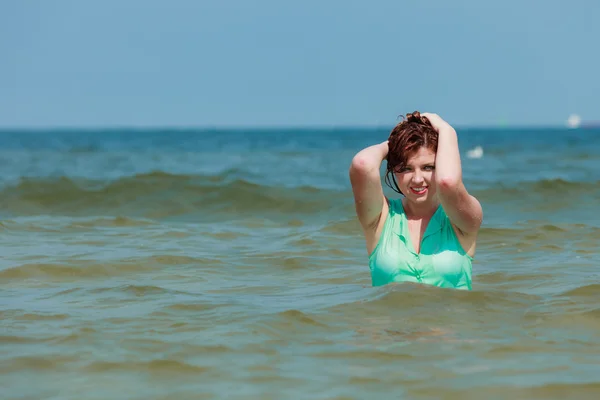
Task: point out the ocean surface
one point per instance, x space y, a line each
228 264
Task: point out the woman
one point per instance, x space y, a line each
429 235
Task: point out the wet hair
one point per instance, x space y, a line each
412 133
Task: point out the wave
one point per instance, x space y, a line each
37 363
159 366
431 305
69 272
587 291
90 269
288 323
543 187
159 195
134 200
558 237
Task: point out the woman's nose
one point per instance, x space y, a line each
417 177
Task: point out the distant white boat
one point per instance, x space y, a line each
574 121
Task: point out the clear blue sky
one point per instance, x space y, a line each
280 63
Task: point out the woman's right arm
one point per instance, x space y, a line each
365 178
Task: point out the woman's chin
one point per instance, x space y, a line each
420 199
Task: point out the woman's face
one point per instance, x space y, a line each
417 179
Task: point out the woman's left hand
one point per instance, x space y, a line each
437 122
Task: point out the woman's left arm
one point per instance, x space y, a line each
462 209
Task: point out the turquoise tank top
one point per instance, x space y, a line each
441 262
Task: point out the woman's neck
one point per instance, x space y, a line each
419 211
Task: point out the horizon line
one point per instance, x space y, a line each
173 127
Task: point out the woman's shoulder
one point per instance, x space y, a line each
467 243
443 218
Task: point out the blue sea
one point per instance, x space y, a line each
228 264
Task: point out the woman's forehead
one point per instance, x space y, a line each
422 156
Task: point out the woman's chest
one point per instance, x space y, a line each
433 259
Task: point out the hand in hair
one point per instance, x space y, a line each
437 122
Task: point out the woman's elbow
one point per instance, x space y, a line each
360 164
448 183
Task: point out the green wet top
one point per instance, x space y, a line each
441 262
